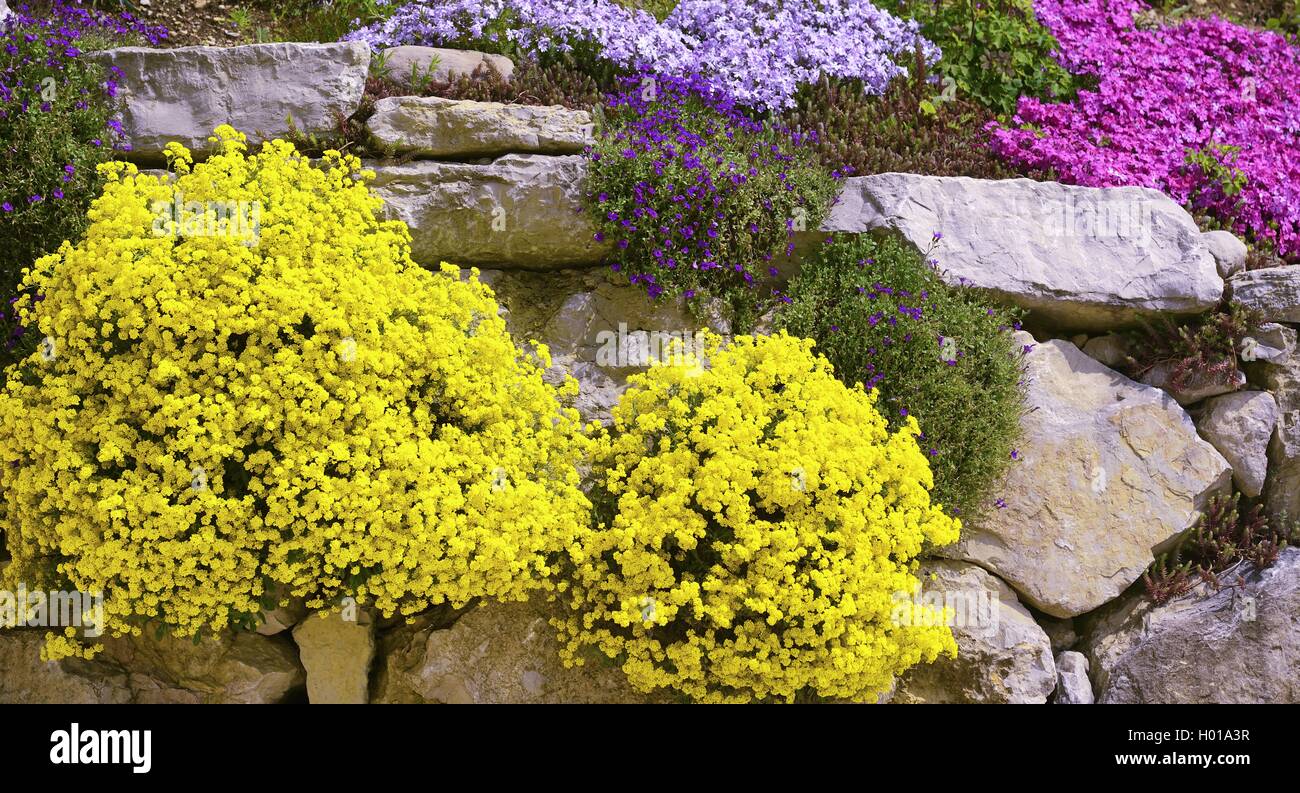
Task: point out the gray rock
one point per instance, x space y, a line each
1072 684
1273 291
1059 631
1240 644
1195 387
495 653
430 126
1082 258
5 13
521 211
1282 488
336 654
1111 350
406 61
1002 654
1228 251
1269 343
1109 470
183 94
1240 426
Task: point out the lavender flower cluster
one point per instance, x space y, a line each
761 51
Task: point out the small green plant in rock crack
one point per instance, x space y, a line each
1200 352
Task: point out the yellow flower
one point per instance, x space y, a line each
768 516
205 435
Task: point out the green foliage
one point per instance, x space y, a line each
995 50
1199 351
884 317
322 21
915 127
1221 538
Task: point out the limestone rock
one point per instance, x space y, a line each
1228 251
1195 387
1082 258
183 94
495 653
402 62
1239 644
336 654
1272 291
1002 654
430 126
1240 425
1072 684
520 211
1060 632
1110 350
1109 470
239 668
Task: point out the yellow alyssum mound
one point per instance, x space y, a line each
758 528
222 412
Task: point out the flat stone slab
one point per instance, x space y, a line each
430 126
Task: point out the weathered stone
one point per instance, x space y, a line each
599 332
1109 470
1268 343
430 126
243 668
1273 291
1111 350
1240 426
336 654
1282 487
1060 632
521 211
1072 684
1195 386
1082 258
1228 251
1271 363
1240 644
1002 654
403 63
496 653
183 94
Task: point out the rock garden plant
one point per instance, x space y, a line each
244 386
755 519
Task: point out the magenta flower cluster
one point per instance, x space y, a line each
1199 86
760 51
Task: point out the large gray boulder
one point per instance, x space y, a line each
439 64
1080 257
183 94
1240 644
430 126
1109 469
520 211
1002 654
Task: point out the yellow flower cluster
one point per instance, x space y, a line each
757 523
217 417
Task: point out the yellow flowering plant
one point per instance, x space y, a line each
756 522
223 410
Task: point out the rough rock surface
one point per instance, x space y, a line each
403 61
1002 654
1228 251
1240 644
1110 349
183 94
1109 470
495 653
1280 375
243 668
1272 291
336 654
430 126
1194 388
599 332
520 211
1072 684
1080 257
1240 426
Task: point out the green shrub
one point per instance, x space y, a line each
994 50
882 315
